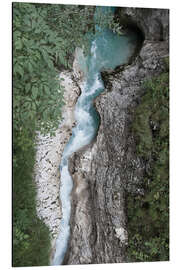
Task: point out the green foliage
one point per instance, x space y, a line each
31 243
37 94
104 18
148 214
152 115
74 25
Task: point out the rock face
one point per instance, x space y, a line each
154 23
107 168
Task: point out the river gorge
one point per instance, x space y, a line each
94 146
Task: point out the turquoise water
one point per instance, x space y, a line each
107 51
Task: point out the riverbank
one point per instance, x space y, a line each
48 157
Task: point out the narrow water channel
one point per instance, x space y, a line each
108 51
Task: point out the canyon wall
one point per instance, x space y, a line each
107 168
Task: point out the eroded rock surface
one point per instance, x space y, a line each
107 168
154 23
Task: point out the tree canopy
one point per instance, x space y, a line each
44 38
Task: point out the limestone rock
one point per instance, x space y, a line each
48 157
